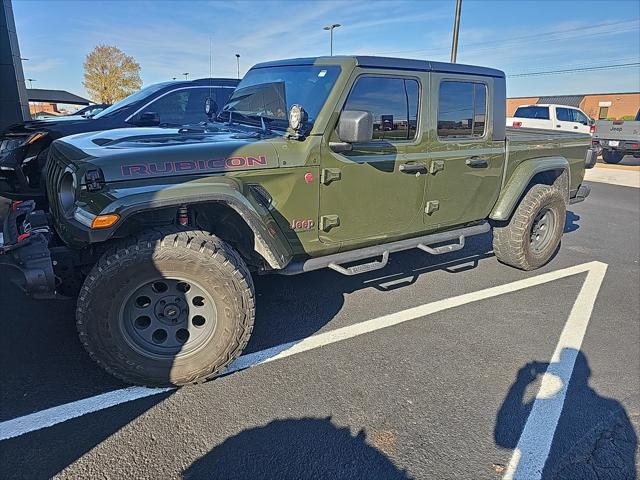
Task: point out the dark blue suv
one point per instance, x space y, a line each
24 147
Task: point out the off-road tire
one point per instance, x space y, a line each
200 256
512 241
611 156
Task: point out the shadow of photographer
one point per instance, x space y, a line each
305 448
594 437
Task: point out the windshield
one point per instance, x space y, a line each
268 94
134 97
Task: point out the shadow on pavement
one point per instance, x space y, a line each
570 224
44 365
594 438
296 449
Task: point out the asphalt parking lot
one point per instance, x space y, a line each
400 373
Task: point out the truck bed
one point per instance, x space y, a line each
527 143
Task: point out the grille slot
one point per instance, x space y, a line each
55 169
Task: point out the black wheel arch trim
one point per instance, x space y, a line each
276 251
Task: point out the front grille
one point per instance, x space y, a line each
55 170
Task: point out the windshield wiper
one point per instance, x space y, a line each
254 120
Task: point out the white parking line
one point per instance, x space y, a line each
52 416
532 450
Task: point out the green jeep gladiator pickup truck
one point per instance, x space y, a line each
318 162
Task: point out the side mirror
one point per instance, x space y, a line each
355 126
148 119
210 107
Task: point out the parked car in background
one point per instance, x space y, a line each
91 110
24 147
551 117
617 138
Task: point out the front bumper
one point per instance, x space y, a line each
16 168
24 250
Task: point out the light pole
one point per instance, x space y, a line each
238 63
31 80
186 75
330 28
456 27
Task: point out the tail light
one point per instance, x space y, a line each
592 129
517 124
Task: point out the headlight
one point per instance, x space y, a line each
10 144
67 191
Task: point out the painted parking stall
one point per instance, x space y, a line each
422 382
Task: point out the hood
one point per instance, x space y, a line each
56 126
130 153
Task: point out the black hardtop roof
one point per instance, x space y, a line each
392 64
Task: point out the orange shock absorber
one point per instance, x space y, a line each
183 215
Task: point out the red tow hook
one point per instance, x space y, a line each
23 236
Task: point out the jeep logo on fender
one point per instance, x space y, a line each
304 224
155 168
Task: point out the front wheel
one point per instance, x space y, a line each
611 156
167 308
532 236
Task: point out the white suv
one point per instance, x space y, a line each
551 117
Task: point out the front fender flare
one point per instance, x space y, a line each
269 242
519 181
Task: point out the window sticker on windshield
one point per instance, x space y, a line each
322 73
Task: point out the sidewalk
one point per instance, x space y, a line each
623 175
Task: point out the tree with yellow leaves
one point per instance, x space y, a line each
110 75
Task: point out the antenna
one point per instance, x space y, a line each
210 82
210 68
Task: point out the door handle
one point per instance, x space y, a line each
477 162
575 128
559 126
413 168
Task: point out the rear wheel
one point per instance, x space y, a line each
533 234
611 156
167 308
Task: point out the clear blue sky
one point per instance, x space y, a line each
168 38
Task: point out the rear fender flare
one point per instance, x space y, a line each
520 180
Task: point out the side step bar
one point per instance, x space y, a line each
336 260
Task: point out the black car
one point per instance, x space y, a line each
24 146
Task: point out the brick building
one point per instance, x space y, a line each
55 102
597 105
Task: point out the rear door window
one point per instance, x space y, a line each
541 113
564 114
462 109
